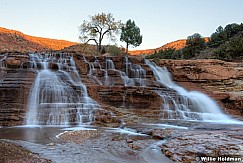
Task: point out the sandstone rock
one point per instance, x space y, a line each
134 146
129 141
106 119
14 90
13 63
161 134
78 136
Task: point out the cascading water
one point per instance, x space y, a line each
58 96
132 75
191 105
92 69
109 64
2 66
2 61
138 74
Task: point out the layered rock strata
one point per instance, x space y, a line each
15 84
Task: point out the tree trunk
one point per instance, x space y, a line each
127 49
99 45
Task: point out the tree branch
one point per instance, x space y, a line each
92 39
105 33
96 29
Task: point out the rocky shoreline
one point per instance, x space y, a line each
12 153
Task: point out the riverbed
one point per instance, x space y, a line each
179 141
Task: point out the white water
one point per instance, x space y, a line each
58 97
136 72
193 105
109 64
2 61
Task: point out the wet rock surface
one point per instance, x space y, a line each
191 141
78 136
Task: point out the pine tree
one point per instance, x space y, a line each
131 34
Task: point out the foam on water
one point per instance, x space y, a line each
125 131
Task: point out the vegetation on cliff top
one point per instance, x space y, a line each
226 44
101 25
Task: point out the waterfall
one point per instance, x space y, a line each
57 95
134 74
109 64
131 74
191 105
138 74
2 61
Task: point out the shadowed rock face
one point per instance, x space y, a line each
15 84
